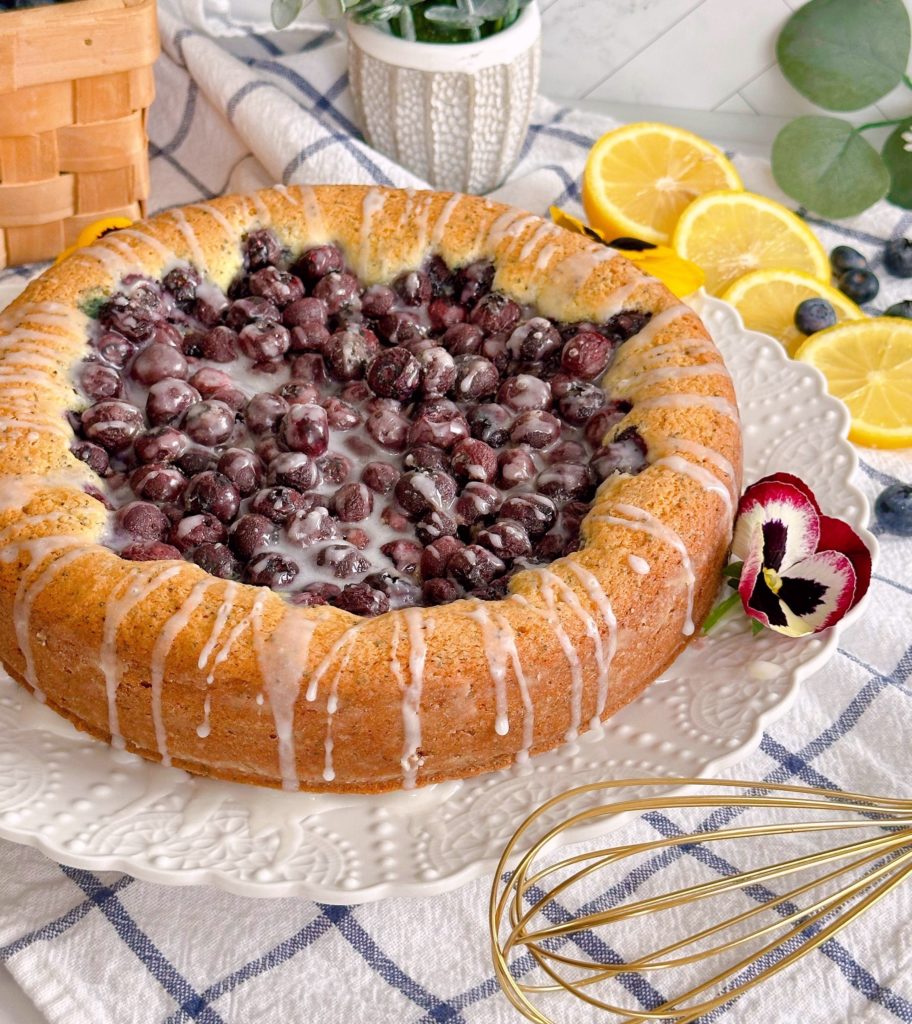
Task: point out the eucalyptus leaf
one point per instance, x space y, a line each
453 17
828 167
845 54
899 163
284 12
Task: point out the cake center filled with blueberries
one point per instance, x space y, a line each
369 447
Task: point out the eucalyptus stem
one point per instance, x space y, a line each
720 610
880 124
907 81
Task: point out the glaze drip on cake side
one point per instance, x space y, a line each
579 594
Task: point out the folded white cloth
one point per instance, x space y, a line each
247 110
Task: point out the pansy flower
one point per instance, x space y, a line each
679 275
802 570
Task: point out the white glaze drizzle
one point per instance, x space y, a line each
168 256
332 706
205 727
372 205
189 236
161 649
701 451
576 673
221 618
550 582
282 659
599 598
639 565
112 261
522 755
419 218
630 387
443 218
706 479
225 650
285 192
219 217
313 213
691 401
263 214
122 600
494 646
545 231
33 582
544 257
644 522
411 702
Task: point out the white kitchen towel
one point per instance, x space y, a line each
249 110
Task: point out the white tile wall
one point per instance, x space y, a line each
694 54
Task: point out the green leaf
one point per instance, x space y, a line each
899 164
845 54
284 12
719 611
825 165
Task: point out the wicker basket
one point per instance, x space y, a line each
75 85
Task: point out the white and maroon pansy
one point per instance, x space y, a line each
802 571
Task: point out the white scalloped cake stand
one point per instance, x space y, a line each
88 805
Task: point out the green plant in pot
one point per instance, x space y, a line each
443 87
427 21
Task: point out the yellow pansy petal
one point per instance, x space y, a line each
680 276
94 231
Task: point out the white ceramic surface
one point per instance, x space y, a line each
89 805
454 114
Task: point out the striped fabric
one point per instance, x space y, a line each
107 949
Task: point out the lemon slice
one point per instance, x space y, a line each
730 234
868 364
639 178
767 300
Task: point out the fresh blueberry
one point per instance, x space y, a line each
898 257
814 315
903 309
894 509
844 258
860 285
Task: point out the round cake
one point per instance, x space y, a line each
354 489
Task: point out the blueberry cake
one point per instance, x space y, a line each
354 489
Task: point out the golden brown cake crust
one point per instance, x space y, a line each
317 697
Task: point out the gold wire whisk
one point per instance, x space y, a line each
530 929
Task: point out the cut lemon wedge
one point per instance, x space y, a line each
868 364
639 179
730 233
767 300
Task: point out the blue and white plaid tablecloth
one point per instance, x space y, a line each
244 111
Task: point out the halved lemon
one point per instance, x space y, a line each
731 233
868 364
767 300
639 179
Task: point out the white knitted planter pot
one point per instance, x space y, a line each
454 114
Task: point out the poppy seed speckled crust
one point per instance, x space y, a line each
411 694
